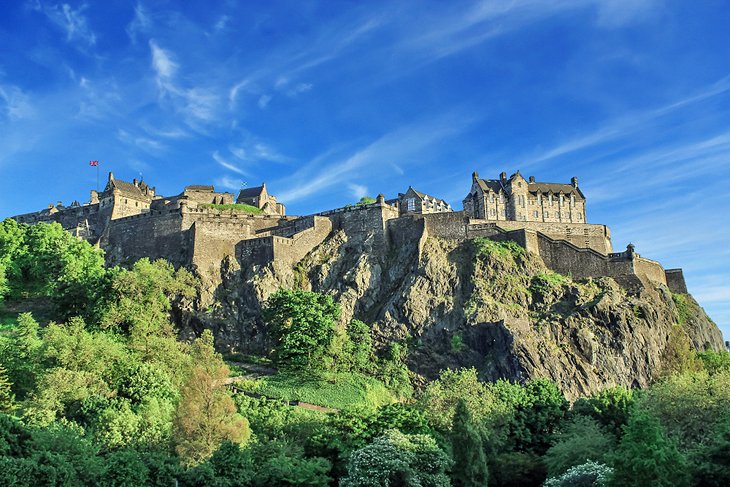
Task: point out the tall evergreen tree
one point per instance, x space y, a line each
470 462
7 398
647 457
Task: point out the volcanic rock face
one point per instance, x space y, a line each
472 304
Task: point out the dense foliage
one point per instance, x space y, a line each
96 389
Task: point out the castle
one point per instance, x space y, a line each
201 228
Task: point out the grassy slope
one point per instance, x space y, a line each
338 391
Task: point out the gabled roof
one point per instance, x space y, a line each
554 188
251 192
490 184
424 196
128 189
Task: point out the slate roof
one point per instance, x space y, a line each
127 188
555 188
536 187
424 196
251 192
493 184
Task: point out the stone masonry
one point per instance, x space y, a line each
203 229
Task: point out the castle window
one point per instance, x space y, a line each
572 200
411 204
557 214
562 201
522 200
491 197
534 214
550 199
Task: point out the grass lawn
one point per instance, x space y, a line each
338 391
234 206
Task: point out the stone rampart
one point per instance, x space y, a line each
156 235
290 250
675 281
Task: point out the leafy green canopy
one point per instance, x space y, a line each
301 327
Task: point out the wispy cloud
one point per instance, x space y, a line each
358 190
332 167
197 104
228 165
71 21
228 182
15 103
627 124
141 22
145 143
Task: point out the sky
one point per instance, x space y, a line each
330 101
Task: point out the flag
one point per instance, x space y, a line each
93 163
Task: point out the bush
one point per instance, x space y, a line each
398 459
301 327
589 474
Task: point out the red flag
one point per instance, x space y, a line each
93 163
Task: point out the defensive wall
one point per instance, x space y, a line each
287 249
579 250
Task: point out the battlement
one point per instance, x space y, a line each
201 228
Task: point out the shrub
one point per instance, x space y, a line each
589 474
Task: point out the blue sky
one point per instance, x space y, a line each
329 101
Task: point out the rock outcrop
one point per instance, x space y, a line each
474 303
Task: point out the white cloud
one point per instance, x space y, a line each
358 190
264 101
222 23
73 22
15 103
330 168
228 182
162 62
140 23
144 143
226 164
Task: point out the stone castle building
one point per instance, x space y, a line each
202 229
518 199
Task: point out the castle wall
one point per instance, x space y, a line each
367 222
591 236
675 281
650 269
154 235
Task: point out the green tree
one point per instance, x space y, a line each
715 361
646 456
689 406
359 350
581 440
441 396
301 327
611 407
537 410
284 464
470 462
395 459
713 459
206 415
21 356
678 355
125 468
140 300
7 398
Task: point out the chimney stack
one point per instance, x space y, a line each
503 176
475 175
532 179
574 181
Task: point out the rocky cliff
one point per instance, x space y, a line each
475 303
